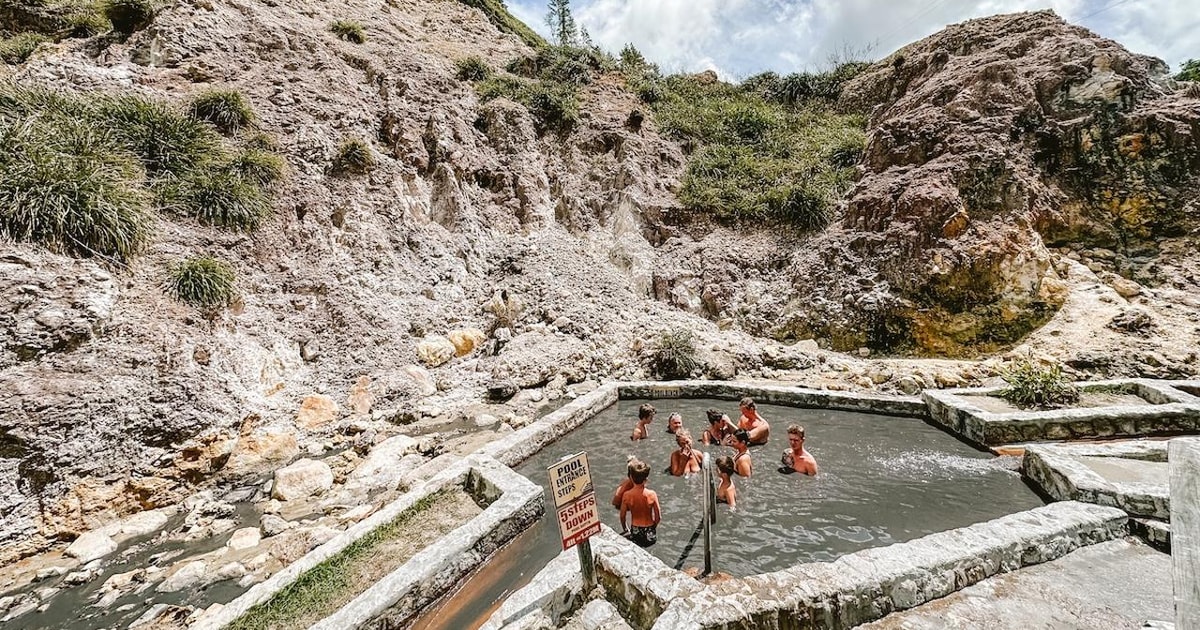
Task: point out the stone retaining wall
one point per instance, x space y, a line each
908 406
1167 410
516 504
1057 470
870 584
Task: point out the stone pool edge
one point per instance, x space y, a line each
1167 410
516 504
1056 470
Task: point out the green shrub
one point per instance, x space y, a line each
260 167
261 141
71 187
353 156
349 30
1031 384
203 282
472 69
227 110
167 141
128 16
502 86
674 354
87 22
554 106
18 48
220 197
1189 71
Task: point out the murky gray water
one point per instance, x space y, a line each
883 480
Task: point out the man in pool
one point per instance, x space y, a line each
741 460
641 504
674 423
753 423
720 429
684 461
795 457
645 416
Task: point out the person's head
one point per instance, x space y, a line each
646 412
639 472
725 465
630 462
714 416
674 423
741 438
796 436
683 437
747 404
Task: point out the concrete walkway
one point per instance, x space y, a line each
1114 585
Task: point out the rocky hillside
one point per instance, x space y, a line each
485 265
990 143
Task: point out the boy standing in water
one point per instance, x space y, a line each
645 417
641 504
753 423
726 493
795 457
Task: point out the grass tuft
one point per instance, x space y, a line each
203 282
227 110
353 157
349 30
128 16
18 48
167 141
1031 384
472 69
220 197
674 354
72 188
87 22
261 167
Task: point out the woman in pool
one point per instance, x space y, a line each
684 461
741 461
726 493
754 424
720 429
674 423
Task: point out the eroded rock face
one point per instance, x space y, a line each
987 141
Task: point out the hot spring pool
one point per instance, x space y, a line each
883 480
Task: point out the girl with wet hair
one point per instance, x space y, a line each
726 492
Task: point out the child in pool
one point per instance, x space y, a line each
645 417
726 493
641 504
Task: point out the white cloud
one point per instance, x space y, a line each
743 37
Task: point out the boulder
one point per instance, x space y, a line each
144 523
90 546
435 350
302 479
384 465
186 576
316 411
361 398
421 379
244 538
466 340
272 525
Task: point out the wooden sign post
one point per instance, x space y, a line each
578 514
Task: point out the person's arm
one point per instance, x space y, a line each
624 511
655 514
731 496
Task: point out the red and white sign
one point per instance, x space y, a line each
575 498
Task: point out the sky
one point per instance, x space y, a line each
739 38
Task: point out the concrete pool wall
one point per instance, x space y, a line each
1168 410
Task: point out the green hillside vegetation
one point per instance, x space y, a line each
771 150
499 16
88 174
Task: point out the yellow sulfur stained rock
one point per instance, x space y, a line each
434 350
466 340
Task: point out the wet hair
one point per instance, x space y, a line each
630 462
714 415
796 429
742 436
639 471
748 403
646 411
683 433
725 465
